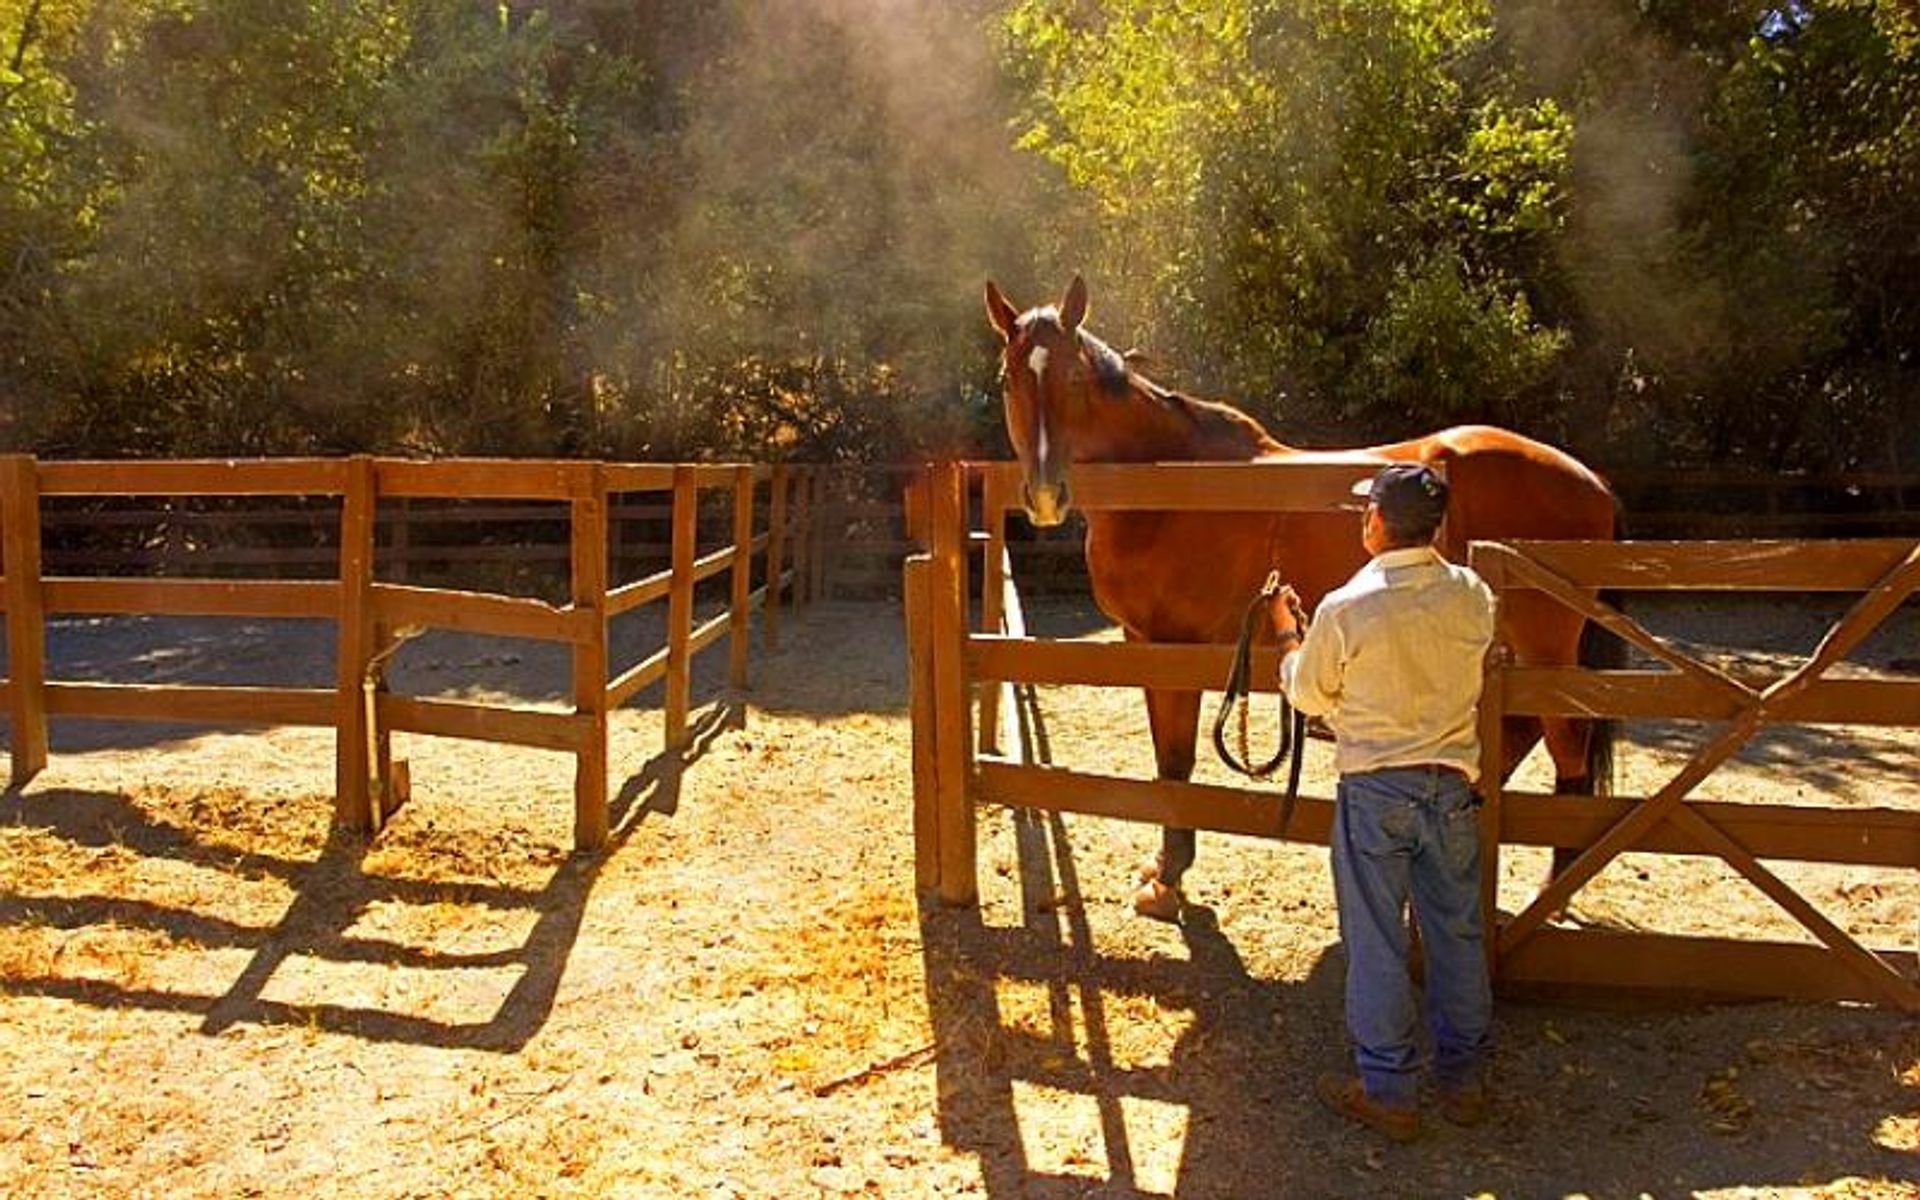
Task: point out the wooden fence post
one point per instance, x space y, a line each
739 629
914 513
616 542
686 511
776 552
953 696
1493 753
993 584
922 706
803 536
400 541
589 553
26 617
353 799
823 512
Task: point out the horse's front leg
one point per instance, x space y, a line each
1174 717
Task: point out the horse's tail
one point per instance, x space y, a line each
1602 651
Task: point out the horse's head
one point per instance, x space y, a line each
1043 372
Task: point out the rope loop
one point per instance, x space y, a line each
1237 697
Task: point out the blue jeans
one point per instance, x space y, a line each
1398 834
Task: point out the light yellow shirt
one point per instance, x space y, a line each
1393 660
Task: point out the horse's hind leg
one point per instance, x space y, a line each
1518 737
1567 745
1544 633
1572 745
1174 717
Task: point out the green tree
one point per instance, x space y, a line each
52 195
527 228
1337 203
1650 230
846 189
1805 216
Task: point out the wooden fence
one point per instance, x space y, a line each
863 511
956 768
1884 573
441 540
372 614
1699 504
857 516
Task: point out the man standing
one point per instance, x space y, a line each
1394 662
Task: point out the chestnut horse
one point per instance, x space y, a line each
1188 576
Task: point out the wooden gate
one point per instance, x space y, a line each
1885 573
962 759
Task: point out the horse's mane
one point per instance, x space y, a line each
1208 417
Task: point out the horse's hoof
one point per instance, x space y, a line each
1158 901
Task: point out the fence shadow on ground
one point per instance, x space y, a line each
1594 1094
1856 765
1762 641
330 893
1052 1113
1598 1099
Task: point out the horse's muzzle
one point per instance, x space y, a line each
1047 504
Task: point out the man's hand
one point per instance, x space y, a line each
1287 616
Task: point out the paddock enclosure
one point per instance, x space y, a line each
348 500
968 664
375 561
208 988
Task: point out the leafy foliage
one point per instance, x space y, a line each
1653 230
255 226
1367 217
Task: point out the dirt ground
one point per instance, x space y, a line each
202 993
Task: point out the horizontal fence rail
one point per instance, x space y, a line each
961 679
865 522
429 525
338 504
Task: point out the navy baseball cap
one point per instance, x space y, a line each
1408 495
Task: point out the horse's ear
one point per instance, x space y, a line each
1003 315
1073 309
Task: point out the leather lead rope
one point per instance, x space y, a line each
1293 724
